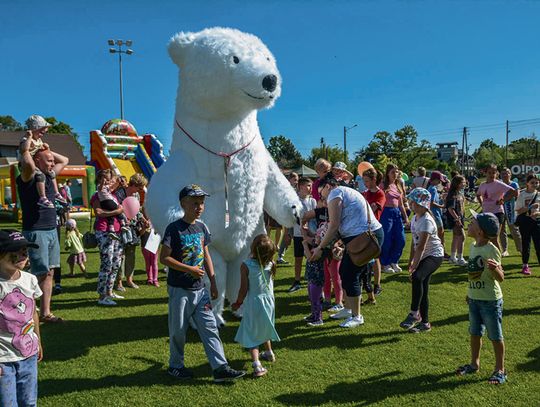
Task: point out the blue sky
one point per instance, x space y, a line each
436 65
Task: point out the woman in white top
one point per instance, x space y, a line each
348 215
427 254
528 216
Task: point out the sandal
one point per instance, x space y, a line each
466 369
259 371
498 377
50 319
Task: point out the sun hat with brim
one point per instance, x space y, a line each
36 122
420 196
13 241
191 190
488 222
341 166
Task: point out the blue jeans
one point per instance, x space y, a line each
186 304
394 236
19 383
486 314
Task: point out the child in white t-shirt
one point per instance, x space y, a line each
308 204
20 344
427 254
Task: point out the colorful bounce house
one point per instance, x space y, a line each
118 147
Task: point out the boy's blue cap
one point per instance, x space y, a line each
488 222
191 190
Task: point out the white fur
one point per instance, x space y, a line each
213 105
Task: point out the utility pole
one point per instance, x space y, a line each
345 129
506 149
463 148
345 144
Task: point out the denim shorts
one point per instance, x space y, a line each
486 315
47 256
19 382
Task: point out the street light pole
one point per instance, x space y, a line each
345 130
119 50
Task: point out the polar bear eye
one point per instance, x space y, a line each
235 60
268 59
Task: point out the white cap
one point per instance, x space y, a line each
36 121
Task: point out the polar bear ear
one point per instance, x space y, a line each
178 46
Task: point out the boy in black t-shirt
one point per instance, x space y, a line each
185 251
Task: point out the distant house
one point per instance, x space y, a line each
63 144
447 152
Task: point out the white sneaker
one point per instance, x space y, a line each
388 269
396 268
335 308
118 297
452 260
353 322
106 301
461 262
344 313
505 253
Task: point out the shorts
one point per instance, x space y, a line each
47 256
500 216
315 272
438 221
79 259
298 247
486 315
271 222
451 223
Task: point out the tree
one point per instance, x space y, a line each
62 128
523 149
488 152
401 148
284 152
329 153
8 123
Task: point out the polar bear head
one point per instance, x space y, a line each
224 71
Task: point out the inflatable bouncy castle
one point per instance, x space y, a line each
117 146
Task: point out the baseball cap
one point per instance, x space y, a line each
191 190
36 121
421 196
13 241
488 222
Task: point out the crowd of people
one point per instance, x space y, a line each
339 213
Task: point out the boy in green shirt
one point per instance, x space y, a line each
484 295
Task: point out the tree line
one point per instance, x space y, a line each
403 148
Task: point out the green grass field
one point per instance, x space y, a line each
118 356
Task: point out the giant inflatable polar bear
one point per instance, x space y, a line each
225 77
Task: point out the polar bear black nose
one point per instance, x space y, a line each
269 83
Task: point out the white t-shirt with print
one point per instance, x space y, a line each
427 225
308 204
18 340
354 219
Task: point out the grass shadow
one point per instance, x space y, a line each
74 338
532 365
374 389
154 374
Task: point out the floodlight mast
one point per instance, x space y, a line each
119 50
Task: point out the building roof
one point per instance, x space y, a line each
450 143
63 144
